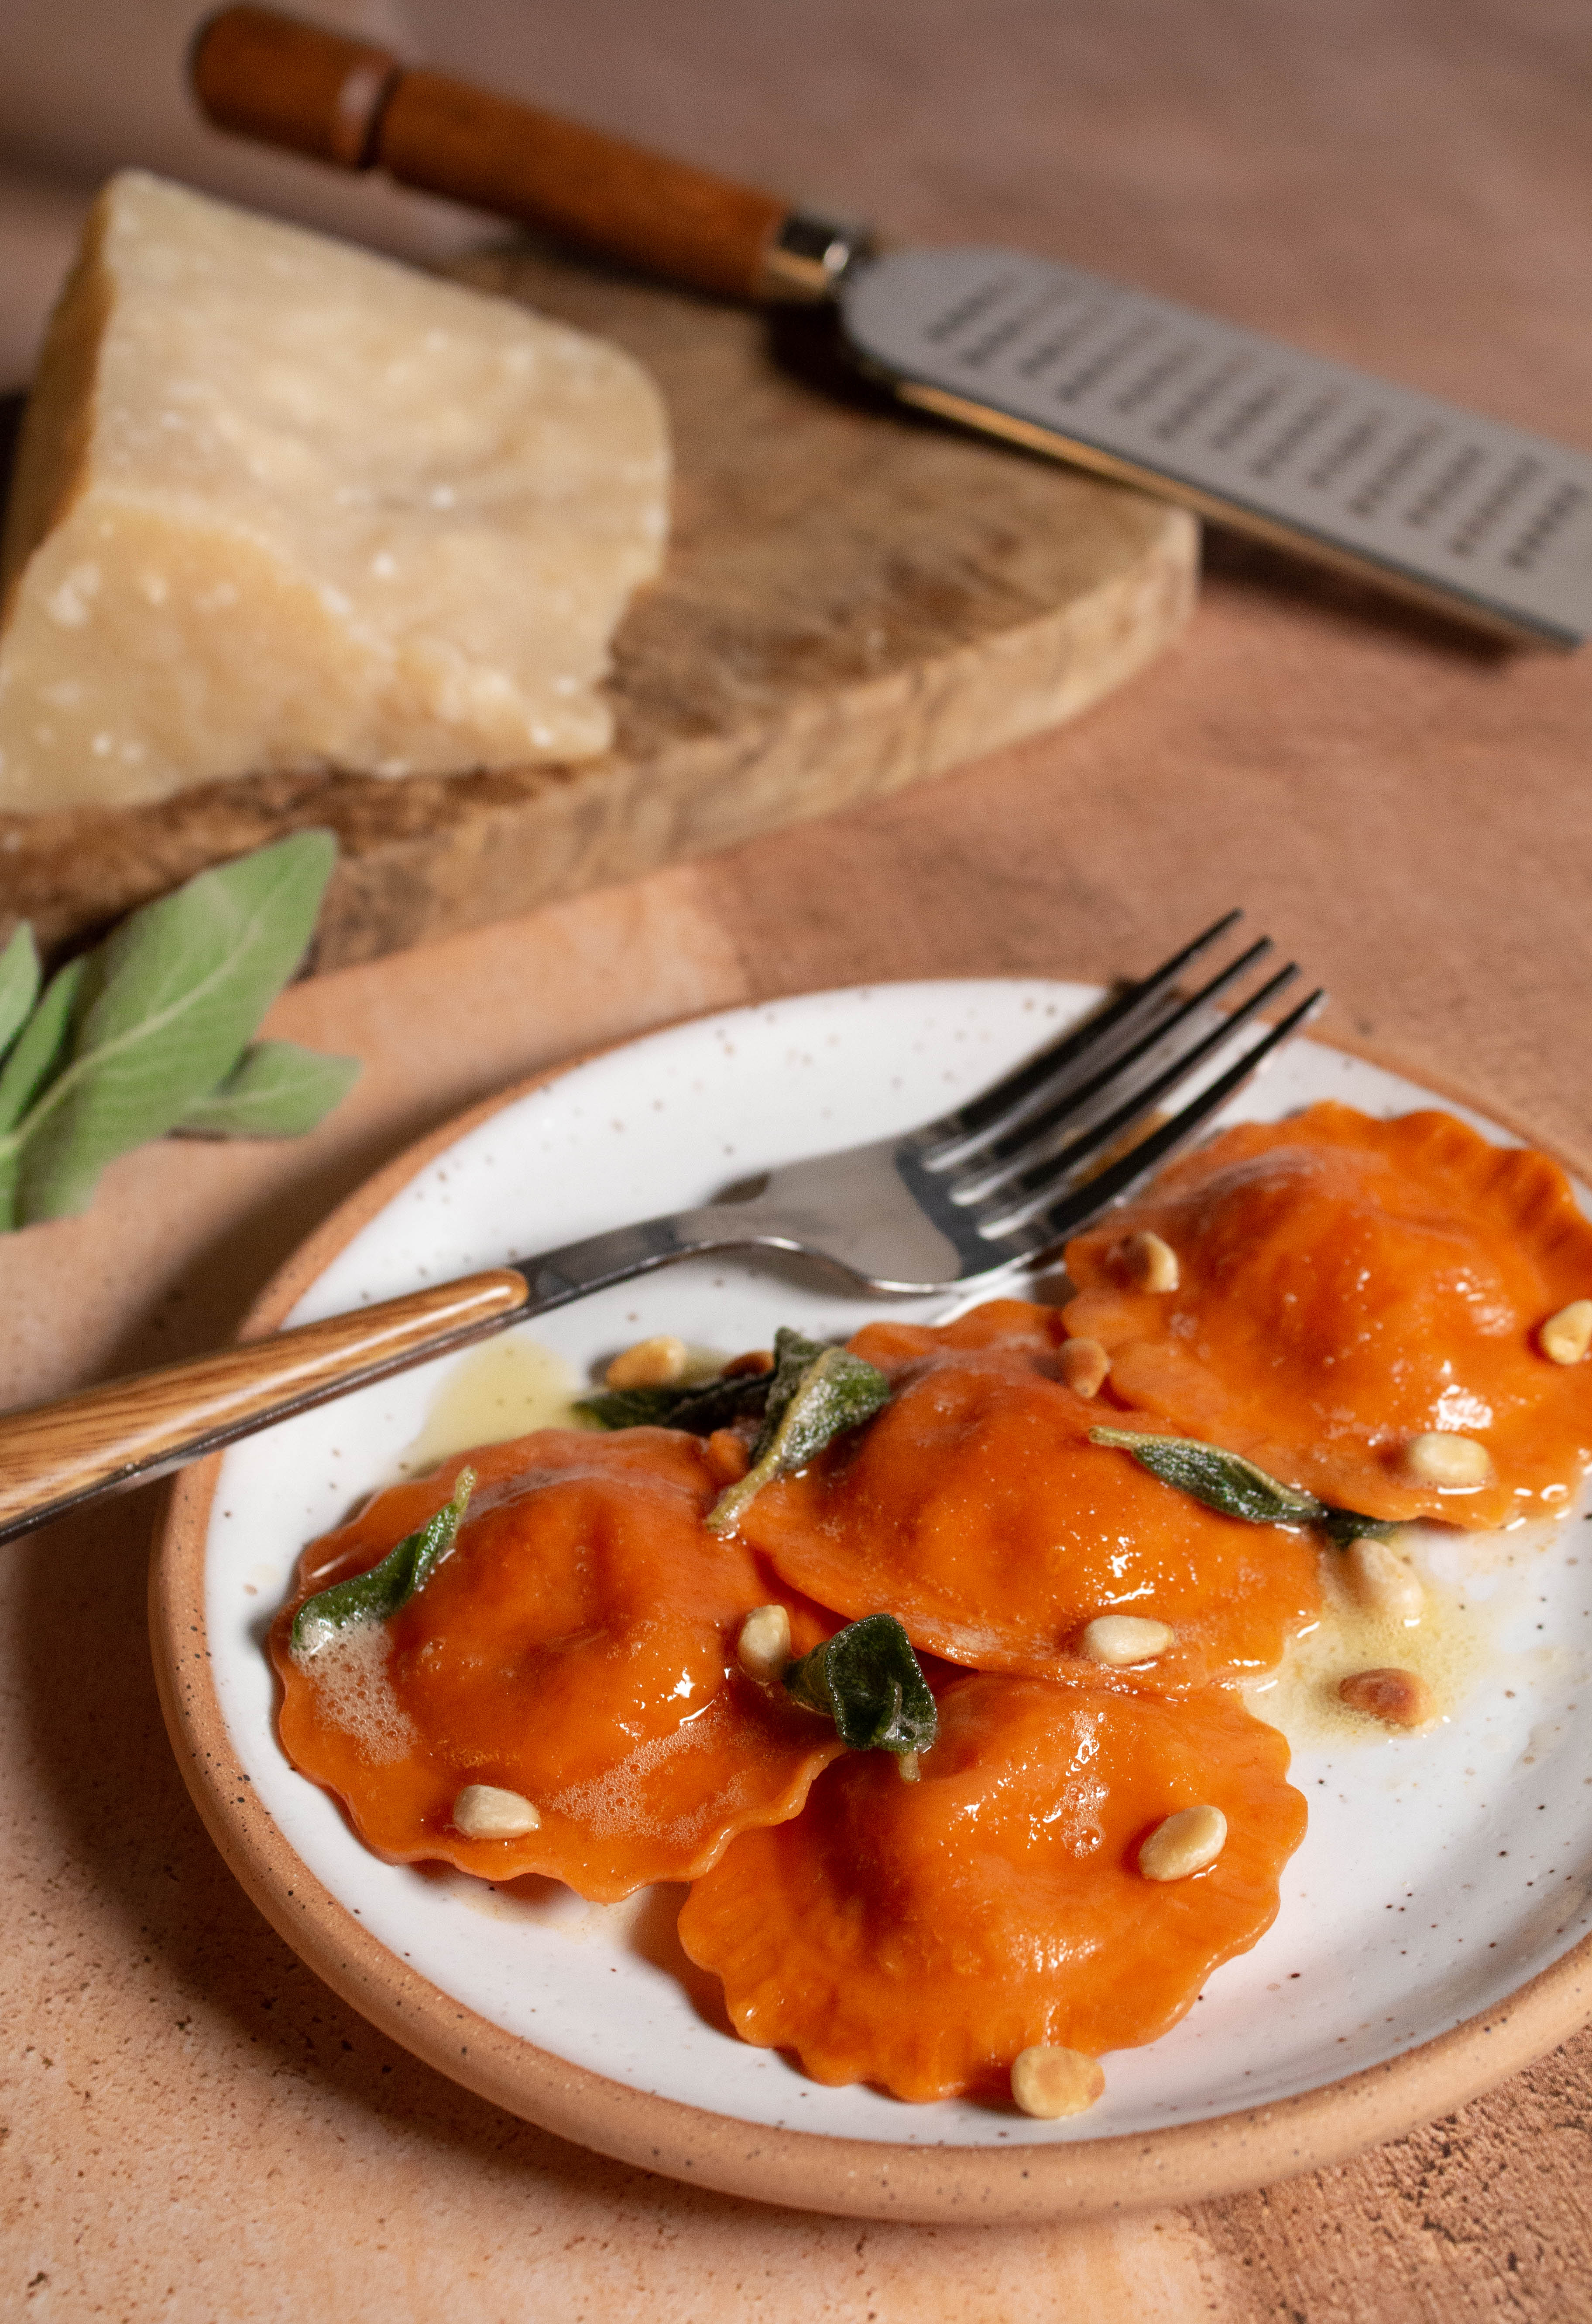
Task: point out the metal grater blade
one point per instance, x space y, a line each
1458 512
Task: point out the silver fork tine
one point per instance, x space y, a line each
1054 1225
994 1110
996 1160
1040 1177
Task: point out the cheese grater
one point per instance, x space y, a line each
1458 512
1461 514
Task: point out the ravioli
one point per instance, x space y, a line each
919 1936
976 1509
577 1648
1347 1285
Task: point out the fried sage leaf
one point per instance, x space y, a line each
868 1680
815 1394
1234 1488
375 1596
700 1407
1344 1526
1224 1482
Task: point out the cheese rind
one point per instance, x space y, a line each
283 506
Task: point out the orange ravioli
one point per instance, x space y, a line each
577 1648
1346 1284
974 1508
919 1935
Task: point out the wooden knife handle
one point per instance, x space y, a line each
54 1456
270 77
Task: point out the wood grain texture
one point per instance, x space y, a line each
274 78
853 601
265 76
55 1455
444 137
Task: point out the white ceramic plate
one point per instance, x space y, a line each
1439 1872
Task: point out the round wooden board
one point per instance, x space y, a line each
1079 2180
854 599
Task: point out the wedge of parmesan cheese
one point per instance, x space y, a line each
283 506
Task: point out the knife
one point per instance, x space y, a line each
1458 513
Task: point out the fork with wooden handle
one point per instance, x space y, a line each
991 1186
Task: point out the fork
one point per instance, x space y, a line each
994 1184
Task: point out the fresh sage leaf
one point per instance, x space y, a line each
166 1006
815 1395
1224 1482
276 1090
20 978
701 1407
37 1056
868 1680
42 1046
376 1596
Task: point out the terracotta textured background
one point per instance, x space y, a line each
194 2129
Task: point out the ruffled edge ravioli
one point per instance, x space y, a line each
919 1936
683 1780
1260 1348
976 1509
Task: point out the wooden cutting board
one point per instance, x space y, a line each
854 600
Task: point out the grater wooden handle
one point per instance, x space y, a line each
56 1456
270 77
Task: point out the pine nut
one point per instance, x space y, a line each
1184 1843
1564 1338
906 1766
1120 1640
1084 1366
1048 2083
651 1363
1380 1580
764 1646
483 1812
1454 1464
1399 1698
1149 1263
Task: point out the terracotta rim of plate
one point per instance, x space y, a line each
1078 2179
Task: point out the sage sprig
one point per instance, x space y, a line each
868 1680
815 1394
149 1033
1234 1487
376 1596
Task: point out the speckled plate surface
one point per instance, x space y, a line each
1433 1927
